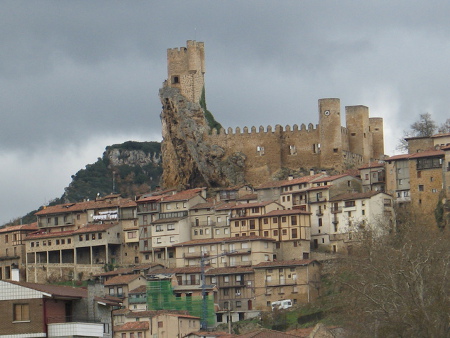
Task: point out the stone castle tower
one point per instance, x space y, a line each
186 69
253 155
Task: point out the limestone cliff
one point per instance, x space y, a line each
188 159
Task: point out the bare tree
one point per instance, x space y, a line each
425 126
445 127
397 285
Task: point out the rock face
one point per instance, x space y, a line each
118 157
189 160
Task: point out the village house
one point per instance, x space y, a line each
397 179
373 176
297 280
354 212
42 310
120 286
12 250
225 252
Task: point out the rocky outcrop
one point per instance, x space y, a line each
188 159
118 157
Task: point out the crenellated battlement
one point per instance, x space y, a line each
261 152
267 130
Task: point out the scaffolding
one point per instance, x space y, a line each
160 296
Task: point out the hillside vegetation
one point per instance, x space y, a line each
129 169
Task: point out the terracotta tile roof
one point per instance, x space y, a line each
21 227
322 187
189 269
108 300
372 165
223 240
282 183
225 206
94 228
133 326
252 205
183 195
149 199
247 197
55 290
102 203
129 270
206 205
213 334
330 178
441 135
428 153
121 311
139 289
229 270
43 234
153 313
123 279
302 333
355 196
265 333
287 212
446 147
295 262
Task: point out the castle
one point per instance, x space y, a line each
266 151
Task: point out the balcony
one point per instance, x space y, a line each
196 254
203 224
75 329
319 213
137 300
317 199
336 210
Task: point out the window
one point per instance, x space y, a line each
172 239
294 220
21 312
238 303
124 335
400 182
159 228
294 233
349 204
283 219
119 291
275 220
226 279
160 324
170 227
252 224
175 79
421 187
158 240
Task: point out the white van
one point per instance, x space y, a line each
281 304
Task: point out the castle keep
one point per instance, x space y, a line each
260 153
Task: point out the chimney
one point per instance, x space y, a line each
311 172
15 273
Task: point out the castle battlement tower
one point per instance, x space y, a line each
186 69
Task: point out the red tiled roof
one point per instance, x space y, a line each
217 334
122 279
102 203
44 234
428 153
441 135
133 326
229 270
149 199
127 271
265 333
225 206
295 262
247 197
94 228
330 178
139 289
183 195
287 212
253 205
355 196
188 269
303 179
22 227
224 240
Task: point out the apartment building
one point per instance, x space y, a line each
72 254
246 217
426 180
397 179
225 252
169 225
373 176
120 286
12 250
297 280
235 292
351 213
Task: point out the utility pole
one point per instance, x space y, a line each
203 260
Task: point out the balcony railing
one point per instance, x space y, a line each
317 199
335 210
75 329
319 213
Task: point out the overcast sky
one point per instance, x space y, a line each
76 76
